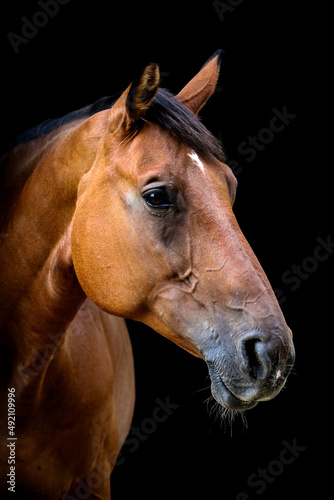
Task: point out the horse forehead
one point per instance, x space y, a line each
156 149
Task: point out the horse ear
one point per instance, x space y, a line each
196 93
132 105
142 92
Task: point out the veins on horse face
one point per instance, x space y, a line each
215 269
190 280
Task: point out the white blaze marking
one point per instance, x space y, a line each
195 158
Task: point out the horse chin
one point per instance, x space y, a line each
223 395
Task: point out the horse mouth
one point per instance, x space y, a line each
224 395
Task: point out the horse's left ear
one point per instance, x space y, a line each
142 92
196 93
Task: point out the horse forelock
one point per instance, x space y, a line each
176 119
168 112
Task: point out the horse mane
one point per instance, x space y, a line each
52 124
165 111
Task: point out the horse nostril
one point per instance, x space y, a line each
255 357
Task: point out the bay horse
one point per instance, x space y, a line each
121 210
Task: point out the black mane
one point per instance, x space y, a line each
52 124
165 111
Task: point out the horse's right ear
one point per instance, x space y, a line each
131 107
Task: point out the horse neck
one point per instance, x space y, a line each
39 291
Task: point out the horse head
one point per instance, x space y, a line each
155 239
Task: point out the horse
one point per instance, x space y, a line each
121 210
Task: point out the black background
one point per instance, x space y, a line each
276 55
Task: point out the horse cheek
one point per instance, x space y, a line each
104 255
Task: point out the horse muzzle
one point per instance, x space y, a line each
255 370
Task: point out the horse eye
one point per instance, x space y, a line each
158 198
